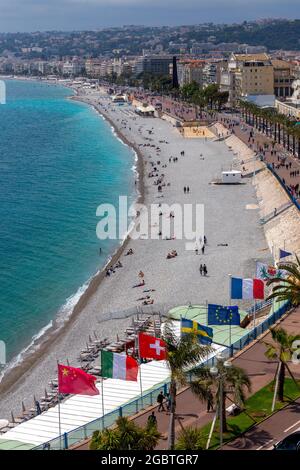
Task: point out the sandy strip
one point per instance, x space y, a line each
175 281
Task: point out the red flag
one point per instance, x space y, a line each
151 347
76 381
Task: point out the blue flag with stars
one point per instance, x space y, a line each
219 315
203 333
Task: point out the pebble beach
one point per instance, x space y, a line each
235 241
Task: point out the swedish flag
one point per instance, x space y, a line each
219 315
204 333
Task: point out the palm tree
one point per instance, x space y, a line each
126 435
189 439
182 354
289 289
235 381
282 350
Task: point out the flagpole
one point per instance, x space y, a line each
58 397
140 368
102 391
230 276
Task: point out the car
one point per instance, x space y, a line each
291 442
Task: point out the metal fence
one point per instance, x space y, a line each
292 198
83 432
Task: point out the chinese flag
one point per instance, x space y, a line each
76 381
151 347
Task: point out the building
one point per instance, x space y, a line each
247 74
212 72
153 64
72 68
283 78
93 67
288 108
190 71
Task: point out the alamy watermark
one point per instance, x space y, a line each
2 92
156 221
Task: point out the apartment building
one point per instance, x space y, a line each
189 71
283 78
247 74
154 64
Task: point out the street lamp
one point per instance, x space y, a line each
220 376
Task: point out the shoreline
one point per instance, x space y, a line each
111 300
50 334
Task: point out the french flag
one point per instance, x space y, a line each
247 288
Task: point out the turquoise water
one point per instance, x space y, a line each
58 161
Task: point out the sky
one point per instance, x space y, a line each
41 15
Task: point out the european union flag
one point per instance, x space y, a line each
204 333
219 315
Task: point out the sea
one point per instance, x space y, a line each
59 160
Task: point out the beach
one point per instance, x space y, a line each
235 240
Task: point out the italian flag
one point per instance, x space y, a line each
118 366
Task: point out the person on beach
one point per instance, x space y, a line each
203 249
201 270
160 401
141 284
205 270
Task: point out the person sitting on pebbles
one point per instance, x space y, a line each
172 254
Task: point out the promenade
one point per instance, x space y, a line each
287 168
192 412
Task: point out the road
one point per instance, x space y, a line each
270 431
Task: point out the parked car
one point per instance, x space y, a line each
291 442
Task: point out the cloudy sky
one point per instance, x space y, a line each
33 15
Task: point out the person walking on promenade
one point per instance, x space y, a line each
210 403
168 400
205 270
152 420
203 249
184 189
160 401
205 240
201 269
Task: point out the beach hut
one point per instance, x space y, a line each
231 177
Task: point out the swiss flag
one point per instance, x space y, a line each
151 347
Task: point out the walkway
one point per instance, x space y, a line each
192 412
289 171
